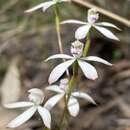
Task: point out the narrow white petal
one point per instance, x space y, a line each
22 118
58 71
73 21
82 31
84 96
73 106
53 101
106 33
47 5
106 24
54 88
88 70
45 115
44 5
36 91
18 104
59 56
97 59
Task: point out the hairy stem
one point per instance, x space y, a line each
71 87
58 30
73 79
57 21
87 45
64 115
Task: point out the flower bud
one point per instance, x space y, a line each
36 96
77 49
93 16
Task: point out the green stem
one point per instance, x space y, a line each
58 30
64 115
87 45
71 87
73 79
57 21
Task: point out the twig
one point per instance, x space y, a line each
103 11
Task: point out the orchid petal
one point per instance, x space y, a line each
35 91
58 71
88 70
45 115
22 118
53 101
47 5
106 33
84 96
18 104
44 5
54 88
97 59
57 56
106 24
73 106
73 22
82 31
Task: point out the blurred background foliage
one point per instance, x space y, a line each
27 39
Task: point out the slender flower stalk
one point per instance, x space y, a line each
87 45
73 79
57 22
71 85
58 30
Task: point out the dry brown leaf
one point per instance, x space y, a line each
11 86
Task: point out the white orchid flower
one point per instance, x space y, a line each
45 5
76 50
36 98
62 90
92 18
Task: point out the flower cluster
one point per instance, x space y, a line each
66 88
